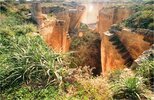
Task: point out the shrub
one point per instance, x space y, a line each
151 26
141 19
128 88
146 70
13 25
26 93
81 85
87 50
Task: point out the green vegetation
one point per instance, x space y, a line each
128 87
30 70
26 58
143 18
87 48
146 70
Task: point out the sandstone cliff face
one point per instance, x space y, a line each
134 42
120 48
110 57
55 31
111 15
55 35
37 13
75 18
146 55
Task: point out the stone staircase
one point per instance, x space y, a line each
114 39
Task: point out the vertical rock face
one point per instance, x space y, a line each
134 42
55 31
55 36
37 13
120 48
114 54
110 57
111 15
75 17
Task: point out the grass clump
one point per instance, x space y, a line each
146 70
31 61
126 85
130 88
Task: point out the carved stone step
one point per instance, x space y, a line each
129 63
117 42
119 46
122 50
125 55
113 38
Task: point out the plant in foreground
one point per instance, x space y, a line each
31 61
131 88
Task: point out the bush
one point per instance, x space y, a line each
26 93
151 26
87 50
141 19
146 70
14 25
130 88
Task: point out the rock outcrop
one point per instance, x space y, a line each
56 30
75 17
112 15
146 55
120 48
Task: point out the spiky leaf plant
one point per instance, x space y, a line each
31 61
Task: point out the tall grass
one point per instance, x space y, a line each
146 70
31 61
127 86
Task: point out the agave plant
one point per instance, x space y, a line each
131 88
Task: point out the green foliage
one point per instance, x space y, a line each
10 1
87 50
83 26
30 61
142 19
24 58
16 23
26 93
149 1
146 70
115 75
128 88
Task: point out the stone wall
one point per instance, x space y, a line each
120 48
53 30
110 57
75 18
112 15
56 30
134 42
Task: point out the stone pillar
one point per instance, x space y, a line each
37 13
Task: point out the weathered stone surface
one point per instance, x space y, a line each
112 15
55 31
121 48
110 58
146 55
37 13
134 42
